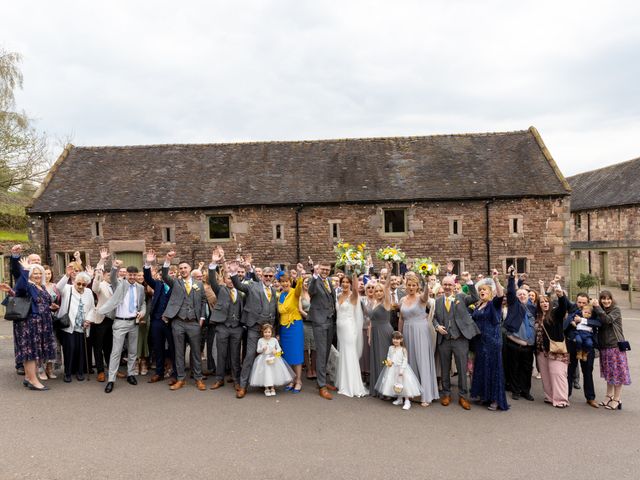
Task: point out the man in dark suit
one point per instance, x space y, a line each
160 328
225 318
186 310
455 328
260 307
322 314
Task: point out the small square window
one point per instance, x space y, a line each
455 227
334 230
96 228
395 220
516 225
219 227
458 266
519 262
578 221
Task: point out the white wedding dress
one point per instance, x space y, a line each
349 327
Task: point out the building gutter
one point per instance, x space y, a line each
298 210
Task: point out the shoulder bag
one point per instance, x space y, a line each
17 309
62 322
555 347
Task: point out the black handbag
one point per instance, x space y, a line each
17 309
62 322
623 345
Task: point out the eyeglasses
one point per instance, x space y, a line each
266 275
81 284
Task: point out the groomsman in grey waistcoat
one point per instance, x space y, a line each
260 307
322 314
126 306
186 310
455 328
225 318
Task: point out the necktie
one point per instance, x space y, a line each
187 286
447 304
267 291
132 298
233 295
326 285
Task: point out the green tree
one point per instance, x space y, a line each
23 150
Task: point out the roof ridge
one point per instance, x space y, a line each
614 165
346 139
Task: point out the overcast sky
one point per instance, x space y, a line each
148 72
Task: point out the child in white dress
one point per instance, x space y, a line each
397 379
269 369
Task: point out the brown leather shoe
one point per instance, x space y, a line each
101 377
593 403
121 374
332 388
155 378
241 392
201 385
178 385
236 387
172 380
464 403
445 401
217 385
324 393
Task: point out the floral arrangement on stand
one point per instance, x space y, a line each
425 267
391 254
351 257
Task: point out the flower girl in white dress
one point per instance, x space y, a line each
397 379
269 368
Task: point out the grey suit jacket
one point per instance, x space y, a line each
225 310
257 309
179 295
122 285
464 322
323 304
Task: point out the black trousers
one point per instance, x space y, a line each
73 351
102 340
587 371
518 366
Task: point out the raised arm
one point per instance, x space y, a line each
511 287
166 278
497 300
232 266
354 289
213 279
472 296
65 278
115 267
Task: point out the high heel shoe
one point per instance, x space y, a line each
31 386
617 406
603 403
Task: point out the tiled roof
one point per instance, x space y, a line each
606 187
468 166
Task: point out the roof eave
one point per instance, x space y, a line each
549 158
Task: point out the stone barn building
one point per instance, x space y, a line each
605 227
480 200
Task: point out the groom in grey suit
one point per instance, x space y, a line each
322 314
455 328
126 306
186 309
260 307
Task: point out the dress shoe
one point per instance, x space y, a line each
201 385
241 392
236 387
527 396
67 378
178 385
101 377
332 388
515 396
218 384
576 385
131 380
109 387
464 403
43 388
20 371
25 383
155 378
80 377
121 374
445 401
172 381
324 393
593 403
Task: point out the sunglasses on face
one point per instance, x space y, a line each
266 275
81 284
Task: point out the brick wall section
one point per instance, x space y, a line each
617 223
544 239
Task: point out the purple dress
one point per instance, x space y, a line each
488 373
33 338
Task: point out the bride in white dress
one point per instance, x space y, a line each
349 328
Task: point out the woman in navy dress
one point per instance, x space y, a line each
488 374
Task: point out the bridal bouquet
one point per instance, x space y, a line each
391 254
425 267
351 257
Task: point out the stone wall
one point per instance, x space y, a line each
542 239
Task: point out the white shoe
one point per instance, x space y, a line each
407 405
267 393
398 401
273 392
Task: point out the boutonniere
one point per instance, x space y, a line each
457 302
196 287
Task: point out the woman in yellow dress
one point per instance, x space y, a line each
291 328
